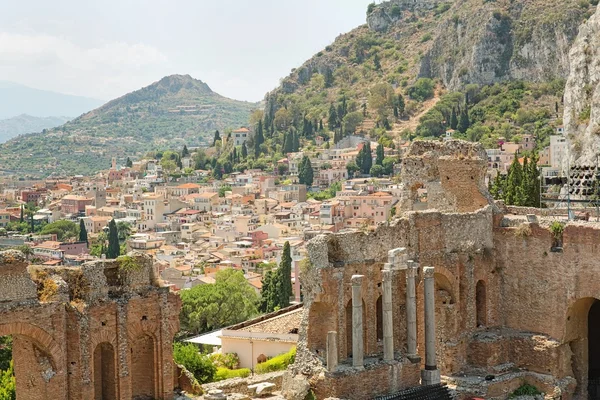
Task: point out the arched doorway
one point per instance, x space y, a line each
481 304
143 368
105 377
594 351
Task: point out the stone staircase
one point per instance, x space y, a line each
431 392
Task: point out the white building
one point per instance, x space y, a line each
558 150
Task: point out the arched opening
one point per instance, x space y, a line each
481 304
317 333
444 289
349 328
143 372
594 351
105 377
380 319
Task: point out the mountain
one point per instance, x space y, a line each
15 126
16 99
167 114
501 63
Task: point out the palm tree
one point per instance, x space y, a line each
124 230
26 250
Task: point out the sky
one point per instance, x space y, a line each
107 48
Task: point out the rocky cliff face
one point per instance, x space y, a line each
489 44
582 94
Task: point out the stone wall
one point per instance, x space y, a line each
91 331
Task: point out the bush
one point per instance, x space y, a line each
229 360
226 373
198 364
422 89
525 390
557 229
277 363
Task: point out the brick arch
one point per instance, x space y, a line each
104 337
138 328
444 279
39 336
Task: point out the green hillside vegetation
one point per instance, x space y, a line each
175 111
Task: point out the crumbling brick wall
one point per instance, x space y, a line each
99 310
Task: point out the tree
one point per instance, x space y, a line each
388 165
422 90
380 155
512 195
401 105
129 163
364 160
284 277
295 142
352 168
8 384
453 119
21 220
169 166
218 170
185 152
124 229
268 293
216 138
231 299
352 121
63 229
463 123
31 223
199 365
244 151
114 249
305 172
376 170
83 236
377 62
328 77
332 122
381 99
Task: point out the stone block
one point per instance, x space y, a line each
261 389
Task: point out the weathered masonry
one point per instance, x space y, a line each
456 288
100 331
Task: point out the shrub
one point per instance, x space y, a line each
226 373
277 363
229 360
525 390
198 364
422 89
557 229
523 230
426 37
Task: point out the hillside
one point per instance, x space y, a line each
15 126
16 99
424 49
174 111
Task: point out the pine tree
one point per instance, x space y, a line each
83 236
401 105
305 172
380 155
184 153
377 62
216 137
114 249
128 163
333 117
284 277
453 119
463 123
244 151
295 142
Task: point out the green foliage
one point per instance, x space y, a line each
364 159
226 373
328 193
224 189
114 249
231 299
370 8
63 229
229 360
128 263
521 187
83 236
376 171
422 90
305 172
277 363
277 285
525 390
5 352
352 121
198 364
557 228
8 385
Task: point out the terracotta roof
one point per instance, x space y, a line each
188 186
241 130
281 324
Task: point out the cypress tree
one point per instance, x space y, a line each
184 153
114 249
259 137
21 219
83 236
128 163
463 123
364 159
32 223
513 182
401 105
453 119
380 155
284 276
321 125
244 151
216 137
295 142
305 172
332 122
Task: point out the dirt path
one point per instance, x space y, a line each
413 122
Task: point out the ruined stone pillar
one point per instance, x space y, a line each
332 351
387 314
430 375
411 312
357 322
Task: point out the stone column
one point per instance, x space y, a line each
411 312
430 375
332 351
357 322
387 314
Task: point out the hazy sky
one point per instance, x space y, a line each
106 48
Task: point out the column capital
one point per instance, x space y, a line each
386 275
428 272
411 269
357 280
387 266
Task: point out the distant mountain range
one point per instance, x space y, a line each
15 126
167 114
16 99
